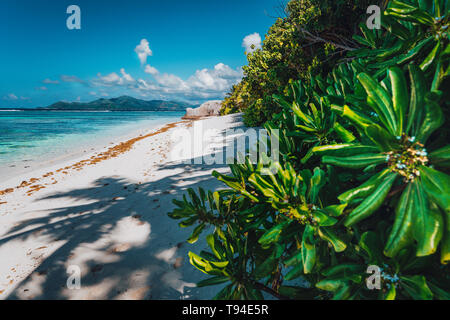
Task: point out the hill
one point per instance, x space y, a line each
123 103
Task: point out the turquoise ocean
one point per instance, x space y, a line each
34 136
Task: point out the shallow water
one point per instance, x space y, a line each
35 136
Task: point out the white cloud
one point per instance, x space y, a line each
143 51
10 97
221 78
252 42
151 70
126 76
202 85
66 78
114 79
49 81
42 88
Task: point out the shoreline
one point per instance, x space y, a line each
107 215
71 148
77 160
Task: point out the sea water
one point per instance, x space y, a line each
30 137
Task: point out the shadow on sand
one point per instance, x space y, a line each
120 237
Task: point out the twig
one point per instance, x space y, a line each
270 291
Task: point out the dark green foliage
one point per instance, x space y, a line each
363 178
290 54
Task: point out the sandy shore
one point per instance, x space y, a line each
105 213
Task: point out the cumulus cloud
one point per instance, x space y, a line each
42 88
151 70
143 51
113 79
220 79
252 42
203 84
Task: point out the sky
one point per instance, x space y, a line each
189 51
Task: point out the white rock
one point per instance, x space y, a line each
210 108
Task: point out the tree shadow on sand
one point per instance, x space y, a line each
120 237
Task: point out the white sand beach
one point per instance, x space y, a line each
106 213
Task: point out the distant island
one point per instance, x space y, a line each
123 103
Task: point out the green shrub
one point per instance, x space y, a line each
288 54
363 178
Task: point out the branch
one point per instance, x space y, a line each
317 39
270 291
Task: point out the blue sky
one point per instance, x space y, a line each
189 50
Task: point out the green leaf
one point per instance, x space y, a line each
266 268
328 235
416 287
371 243
427 223
390 295
343 150
335 210
415 52
432 56
215 246
330 284
438 292
308 250
323 219
208 267
357 119
316 183
382 100
355 162
399 96
273 234
401 233
418 91
441 157
295 272
229 181
437 186
445 246
343 271
383 139
365 189
343 133
196 233
372 202
434 119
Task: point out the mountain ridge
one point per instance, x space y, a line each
122 103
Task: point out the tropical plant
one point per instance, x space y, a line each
375 126
308 41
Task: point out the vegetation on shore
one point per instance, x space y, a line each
363 178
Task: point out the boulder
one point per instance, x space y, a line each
208 109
